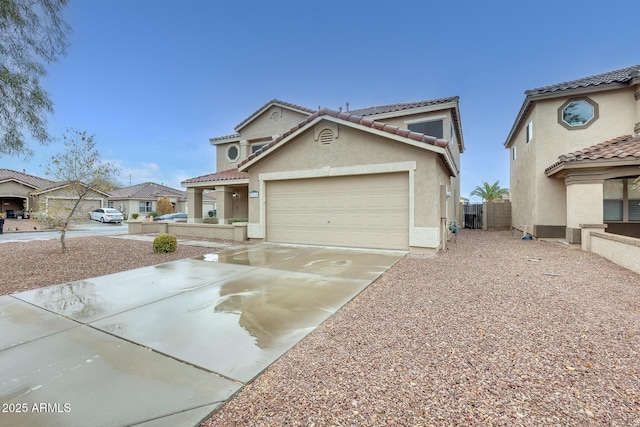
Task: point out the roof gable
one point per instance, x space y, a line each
351 120
623 77
265 107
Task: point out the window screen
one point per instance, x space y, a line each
431 128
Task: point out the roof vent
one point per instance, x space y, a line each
326 136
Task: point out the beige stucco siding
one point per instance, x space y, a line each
274 121
358 152
536 198
12 188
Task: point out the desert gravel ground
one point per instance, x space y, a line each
30 265
494 331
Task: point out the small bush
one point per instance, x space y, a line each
135 215
210 220
165 243
153 214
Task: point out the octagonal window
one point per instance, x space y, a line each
233 152
578 113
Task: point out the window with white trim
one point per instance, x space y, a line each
578 113
233 152
529 131
145 207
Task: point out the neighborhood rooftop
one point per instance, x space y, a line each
30 180
623 75
147 190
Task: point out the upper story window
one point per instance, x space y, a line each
256 147
529 131
233 152
431 128
513 153
578 113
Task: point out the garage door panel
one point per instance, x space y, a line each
361 211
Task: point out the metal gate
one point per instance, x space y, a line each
473 216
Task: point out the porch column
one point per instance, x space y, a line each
194 199
224 198
584 206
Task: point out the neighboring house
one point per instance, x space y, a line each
16 190
143 199
574 155
380 177
21 194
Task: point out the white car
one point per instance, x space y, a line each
106 215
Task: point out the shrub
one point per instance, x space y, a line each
210 220
165 243
135 215
153 214
164 206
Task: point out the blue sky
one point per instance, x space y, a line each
153 80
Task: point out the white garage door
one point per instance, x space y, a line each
369 211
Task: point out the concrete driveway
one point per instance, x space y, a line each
167 345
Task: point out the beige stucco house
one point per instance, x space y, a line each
380 177
143 198
22 194
574 155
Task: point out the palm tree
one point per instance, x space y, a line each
490 192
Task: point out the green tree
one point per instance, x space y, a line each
81 169
32 34
490 192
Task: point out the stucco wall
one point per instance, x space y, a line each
11 188
622 250
355 148
536 198
236 232
274 121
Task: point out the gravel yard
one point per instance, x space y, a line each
493 331
30 265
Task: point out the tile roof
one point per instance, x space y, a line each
274 101
348 116
225 175
147 190
617 76
30 180
626 146
220 138
381 109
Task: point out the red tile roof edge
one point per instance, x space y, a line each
620 147
225 175
346 116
